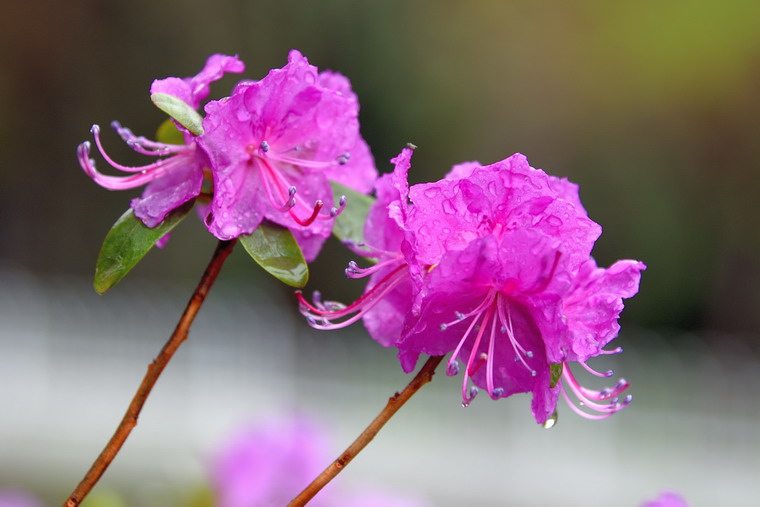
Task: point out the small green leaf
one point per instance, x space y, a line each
127 243
180 111
168 133
556 371
274 248
349 225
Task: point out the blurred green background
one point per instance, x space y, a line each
650 106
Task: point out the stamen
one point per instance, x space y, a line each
145 146
471 396
516 346
590 398
613 351
95 130
321 315
592 371
471 368
452 368
317 207
354 271
154 172
334 212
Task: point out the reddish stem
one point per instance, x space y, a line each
395 402
129 421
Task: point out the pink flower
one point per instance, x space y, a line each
667 499
17 498
269 463
274 144
177 178
493 265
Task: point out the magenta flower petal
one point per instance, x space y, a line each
593 305
195 90
164 194
462 170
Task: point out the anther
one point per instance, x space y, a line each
264 146
498 392
532 373
95 130
459 315
444 326
452 368
529 353
343 159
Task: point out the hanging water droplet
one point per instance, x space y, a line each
551 421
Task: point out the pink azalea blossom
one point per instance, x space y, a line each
274 144
491 264
177 176
17 498
268 464
667 499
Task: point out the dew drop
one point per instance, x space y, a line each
551 421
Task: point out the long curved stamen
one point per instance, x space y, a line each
589 397
592 371
129 169
322 315
354 271
451 369
123 182
468 371
489 363
282 184
143 145
312 164
478 310
507 327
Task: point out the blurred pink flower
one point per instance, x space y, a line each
17 498
667 499
268 464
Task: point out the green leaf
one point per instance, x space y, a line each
127 243
349 225
168 133
180 111
274 248
556 371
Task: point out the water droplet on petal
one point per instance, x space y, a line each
551 421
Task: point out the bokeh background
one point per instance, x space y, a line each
650 106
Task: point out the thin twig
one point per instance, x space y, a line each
129 421
395 402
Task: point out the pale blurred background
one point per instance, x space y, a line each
650 106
